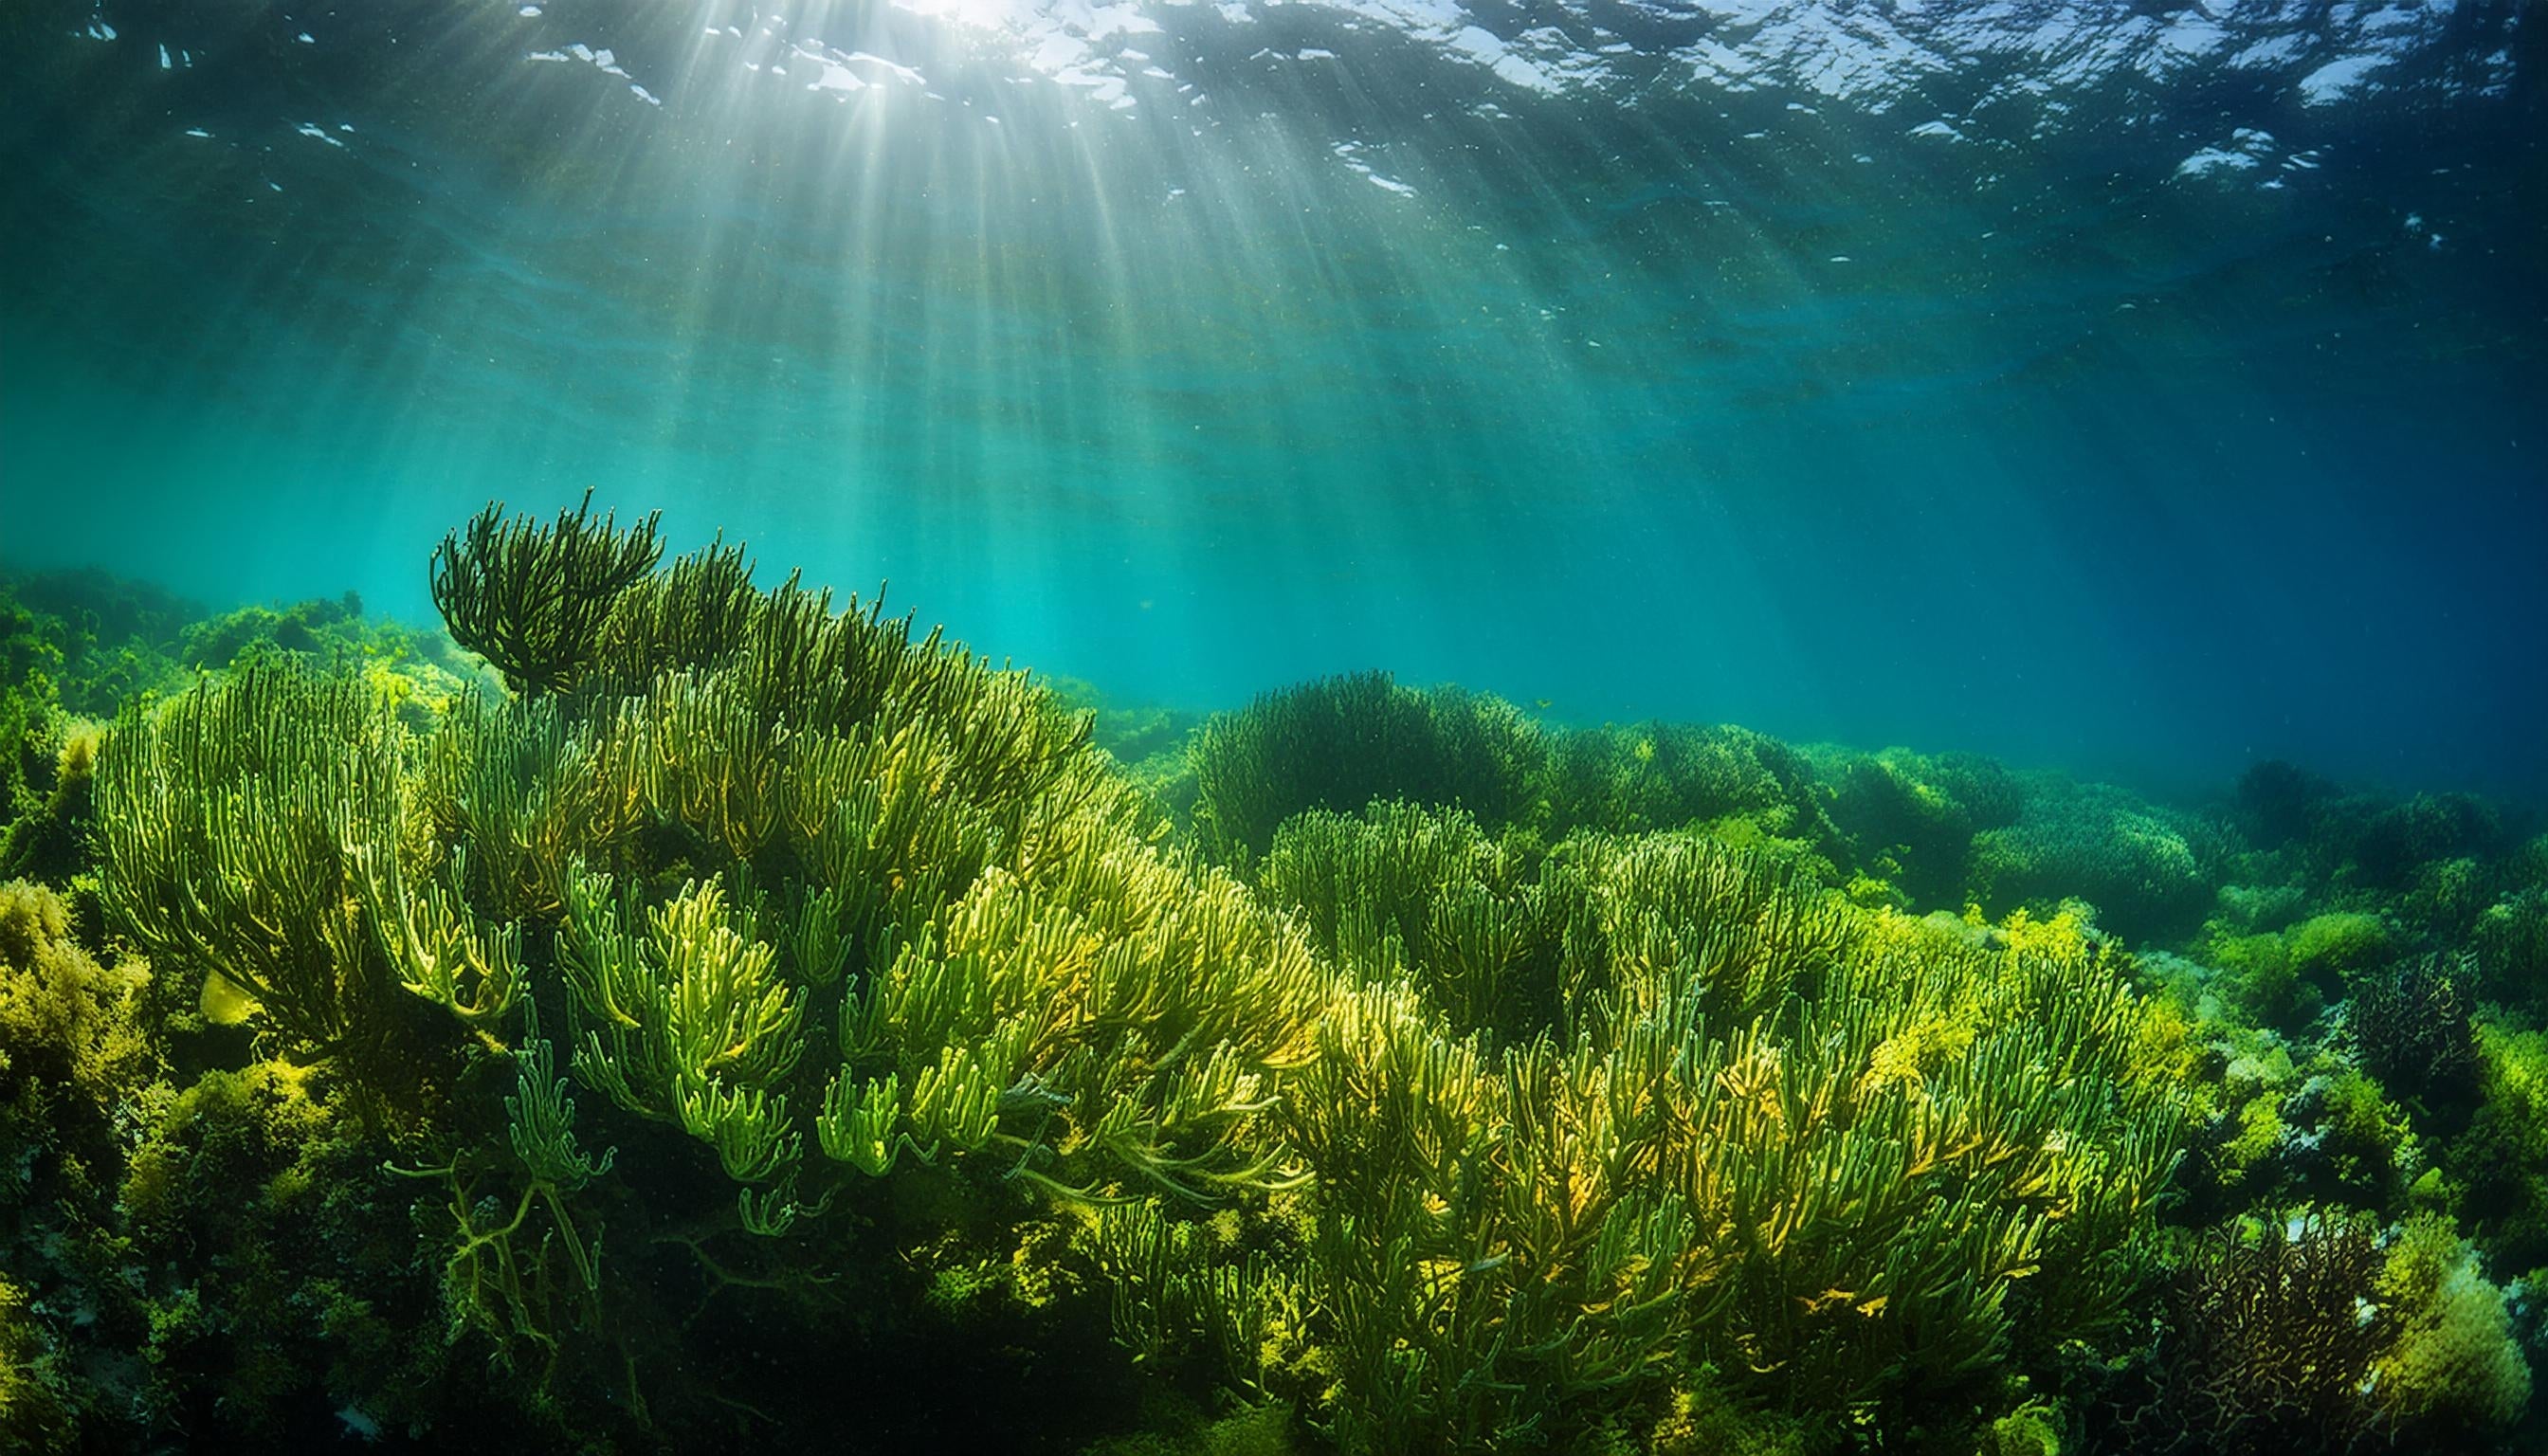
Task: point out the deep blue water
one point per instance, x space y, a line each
2136 388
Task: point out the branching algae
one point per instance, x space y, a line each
756 1021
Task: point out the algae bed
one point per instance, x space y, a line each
660 1010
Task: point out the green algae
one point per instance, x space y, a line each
793 990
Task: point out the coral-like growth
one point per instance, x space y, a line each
2413 1031
2272 1342
1824 1152
2304 1334
793 881
764 1011
689 1023
259 827
1404 890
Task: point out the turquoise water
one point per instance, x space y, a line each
2139 389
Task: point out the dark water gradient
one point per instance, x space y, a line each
2025 443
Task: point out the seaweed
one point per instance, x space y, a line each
2412 1028
532 598
1342 742
2271 1342
754 1009
2141 865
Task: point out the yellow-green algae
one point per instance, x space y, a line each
759 1013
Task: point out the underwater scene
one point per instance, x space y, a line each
1768 727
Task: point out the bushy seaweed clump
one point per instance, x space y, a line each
2350 980
99 640
2342 1048
1820 1151
2497 1169
792 953
75 647
45 752
44 834
2143 867
1342 742
1670 775
74 1058
225 1256
2376 1063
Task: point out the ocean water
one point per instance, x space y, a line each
2137 388
2133 389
